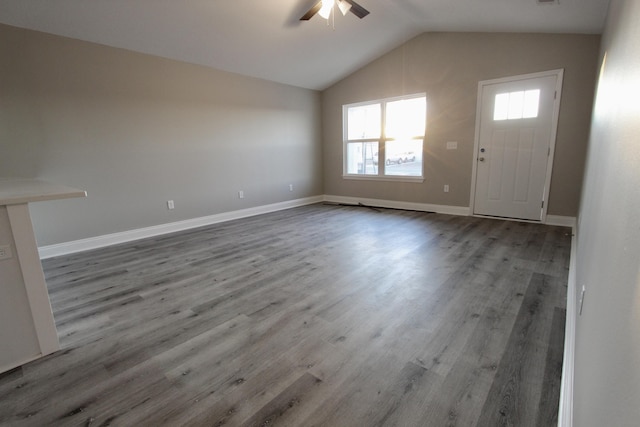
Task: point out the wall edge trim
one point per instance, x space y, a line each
50 251
562 221
565 408
392 204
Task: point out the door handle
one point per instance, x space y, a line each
481 159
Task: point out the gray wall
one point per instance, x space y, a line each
607 362
448 67
136 130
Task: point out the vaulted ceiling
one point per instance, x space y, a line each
265 39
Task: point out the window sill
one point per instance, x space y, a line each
389 178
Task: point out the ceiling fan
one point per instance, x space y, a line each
324 8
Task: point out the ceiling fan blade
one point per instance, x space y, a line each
357 10
312 11
343 6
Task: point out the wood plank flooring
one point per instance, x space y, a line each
314 316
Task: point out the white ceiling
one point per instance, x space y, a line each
265 39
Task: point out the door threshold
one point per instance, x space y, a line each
504 218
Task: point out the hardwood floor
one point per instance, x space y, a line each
314 316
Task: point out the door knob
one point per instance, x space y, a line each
481 159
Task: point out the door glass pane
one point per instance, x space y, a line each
363 122
531 101
516 105
362 158
516 101
501 109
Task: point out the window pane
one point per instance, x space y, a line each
405 118
362 158
403 157
363 122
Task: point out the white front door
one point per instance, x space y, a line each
517 121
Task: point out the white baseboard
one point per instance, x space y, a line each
562 221
425 207
13 365
66 248
565 410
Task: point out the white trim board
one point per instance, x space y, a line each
425 207
555 220
50 251
565 409
66 248
562 221
81 245
10 366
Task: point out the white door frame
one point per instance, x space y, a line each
554 129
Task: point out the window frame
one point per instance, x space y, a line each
382 142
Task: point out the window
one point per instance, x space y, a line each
516 105
383 139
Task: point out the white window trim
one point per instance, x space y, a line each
399 178
381 143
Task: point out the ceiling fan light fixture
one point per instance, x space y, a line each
343 6
325 10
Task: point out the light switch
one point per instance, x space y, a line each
452 145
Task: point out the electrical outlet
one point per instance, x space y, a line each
290 187
5 252
240 194
170 204
446 188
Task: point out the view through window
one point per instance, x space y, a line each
384 138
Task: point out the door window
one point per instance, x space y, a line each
516 105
